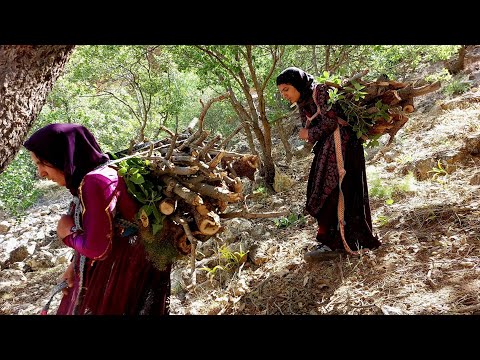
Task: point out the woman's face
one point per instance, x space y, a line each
289 92
46 170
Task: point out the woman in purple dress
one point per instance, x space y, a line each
109 274
323 190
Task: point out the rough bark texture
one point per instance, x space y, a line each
27 74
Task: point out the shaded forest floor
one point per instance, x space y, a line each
429 259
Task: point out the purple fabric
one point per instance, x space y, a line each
300 80
68 147
99 194
119 279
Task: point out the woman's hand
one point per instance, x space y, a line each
64 226
68 276
303 134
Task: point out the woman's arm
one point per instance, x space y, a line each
97 194
322 125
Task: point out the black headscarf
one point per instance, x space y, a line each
68 147
300 80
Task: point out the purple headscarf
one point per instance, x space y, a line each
300 80
68 147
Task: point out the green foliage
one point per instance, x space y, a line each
141 184
343 60
228 261
123 90
457 86
260 191
232 259
18 191
290 220
137 175
398 61
378 188
348 98
381 220
443 76
223 68
438 171
213 271
407 184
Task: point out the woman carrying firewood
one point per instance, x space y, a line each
110 273
337 192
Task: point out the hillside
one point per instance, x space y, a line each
428 262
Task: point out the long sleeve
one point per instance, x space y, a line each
322 125
98 196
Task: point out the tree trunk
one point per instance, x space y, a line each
286 144
27 74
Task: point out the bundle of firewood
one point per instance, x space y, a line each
186 181
378 107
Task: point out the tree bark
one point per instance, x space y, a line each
27 74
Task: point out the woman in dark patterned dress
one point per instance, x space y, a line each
319 125
110 274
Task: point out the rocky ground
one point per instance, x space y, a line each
424 199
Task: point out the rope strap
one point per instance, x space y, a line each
341 201
59 287
341 173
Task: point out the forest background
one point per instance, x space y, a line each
124 94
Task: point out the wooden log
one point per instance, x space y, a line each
380 127
216 160
207 171
407 105
198 141
167 206
395 85
245 166
391 97
189 140
214 192
183 245
183 159
355 77
172 147
183 170
398 121
191 125
247 215
222 206
207 224
409 91
209 146
234 185
373 91
203 209
189 196
167 130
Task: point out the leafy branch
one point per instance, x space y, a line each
136 173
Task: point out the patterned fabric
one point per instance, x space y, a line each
322 187
323 176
